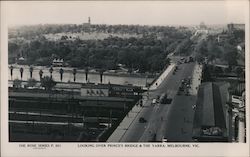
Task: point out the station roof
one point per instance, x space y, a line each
211 104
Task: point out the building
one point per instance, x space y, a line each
203 26
232 27
127 91
88 23
212 119
111 90
74 88
95 90
57 62
239 118
20 60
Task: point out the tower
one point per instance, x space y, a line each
89 21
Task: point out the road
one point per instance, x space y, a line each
158 115
169 122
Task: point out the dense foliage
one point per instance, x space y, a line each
147 52
29 32
225 51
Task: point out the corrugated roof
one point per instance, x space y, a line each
210 105
219 115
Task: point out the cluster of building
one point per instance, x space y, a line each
102 90
234 27
69 109
219 116
231 28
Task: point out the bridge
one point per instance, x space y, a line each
164 122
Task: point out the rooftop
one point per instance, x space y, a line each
211 107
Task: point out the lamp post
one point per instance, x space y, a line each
31 71
61 71
110 118
51 71
21 73
74 73
11 71
41 74
86 74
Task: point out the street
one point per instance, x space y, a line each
162 117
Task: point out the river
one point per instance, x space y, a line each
80 76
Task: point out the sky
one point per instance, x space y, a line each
125 12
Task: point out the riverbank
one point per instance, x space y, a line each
80 76
91 71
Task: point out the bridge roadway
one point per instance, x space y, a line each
156 115
170 122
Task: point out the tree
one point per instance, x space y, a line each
31 82
51 71
41 74
239 71
21 73
231 55
61 74
48 83
104 53
11 71
31 71
74 73
17 83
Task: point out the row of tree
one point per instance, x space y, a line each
30 32
143 54
47 82
213 50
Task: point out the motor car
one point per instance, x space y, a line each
181 88
154 101
142 120
164 98
169 100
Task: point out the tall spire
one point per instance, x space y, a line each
89 20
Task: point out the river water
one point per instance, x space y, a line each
80 76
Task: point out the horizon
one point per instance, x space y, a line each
191 25
153 13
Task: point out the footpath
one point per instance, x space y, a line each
135 111
163 75
196 79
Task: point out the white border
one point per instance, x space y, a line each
72 149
